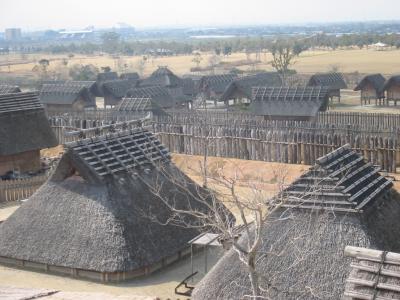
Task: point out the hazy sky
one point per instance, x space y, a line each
75 14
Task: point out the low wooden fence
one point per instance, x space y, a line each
19 189
295 146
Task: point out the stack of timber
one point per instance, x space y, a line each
374 274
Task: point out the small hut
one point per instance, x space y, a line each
340 201
392 88
374 274
213 86
72 96
159 95
334 81
9 89
240 89
289 103
24 131
138 108
372 88
115 90
96 216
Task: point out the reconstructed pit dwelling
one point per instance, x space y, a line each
341 201
99 216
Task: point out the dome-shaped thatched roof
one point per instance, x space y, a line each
301 256
99 212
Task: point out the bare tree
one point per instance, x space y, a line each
283 57
197 59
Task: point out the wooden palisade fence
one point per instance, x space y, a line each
19 189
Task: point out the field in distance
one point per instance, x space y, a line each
363 61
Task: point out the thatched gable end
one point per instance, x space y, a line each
340 181
163 77
377 81
66 93
139 105
23 124
115 153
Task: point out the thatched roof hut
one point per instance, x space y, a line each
95 217
67 96
158 94
392 88
106 76
24 131
9 89
115 90
241 88
289 103
342 201
372 88
374 274
334 81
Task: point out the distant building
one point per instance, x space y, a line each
25 130
12 34
289 103
372 88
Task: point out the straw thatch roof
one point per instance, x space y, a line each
9 89
95 212
394 80
331 80
134 76
107 76
23 124
66 93
163 77
159 94
242 87
376 80
216 84
301 256
118 88
289 101
139 105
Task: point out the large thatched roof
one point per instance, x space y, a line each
9 89
289 101
95 211
301 255
118 88
66 93
243 86
376 80
331 80
23 124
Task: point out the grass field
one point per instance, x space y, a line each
363 61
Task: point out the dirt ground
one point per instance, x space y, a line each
363 61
